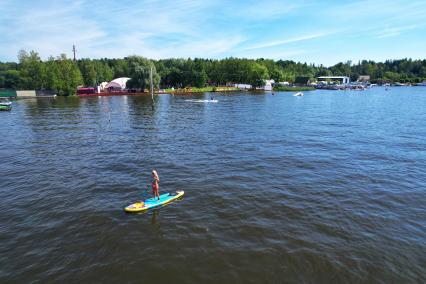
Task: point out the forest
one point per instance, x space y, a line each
64 75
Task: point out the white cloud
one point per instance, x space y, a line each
289 40
395 31
268 9
50 30
210 28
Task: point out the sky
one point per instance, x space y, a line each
320 32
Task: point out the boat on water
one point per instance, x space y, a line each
397 84
5 104
299 94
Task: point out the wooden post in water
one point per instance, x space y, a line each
152 88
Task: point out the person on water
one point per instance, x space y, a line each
155 186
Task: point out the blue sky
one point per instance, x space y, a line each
321 32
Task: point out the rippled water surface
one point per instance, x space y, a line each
329 187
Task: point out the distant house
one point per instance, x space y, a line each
268 85
333 79
243 86
364 78
26 94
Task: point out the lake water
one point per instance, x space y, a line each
329 187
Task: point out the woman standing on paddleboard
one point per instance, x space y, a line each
155 186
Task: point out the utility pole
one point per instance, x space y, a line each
152 88
73 50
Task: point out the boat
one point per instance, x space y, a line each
398 84
299 94
5 104
151 203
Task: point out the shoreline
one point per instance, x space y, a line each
188 91
294 89
184 91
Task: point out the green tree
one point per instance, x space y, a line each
120 68
87 69
392 76
52 74
63 75
139 70
69 76
104 73
32 70
11 79
257 75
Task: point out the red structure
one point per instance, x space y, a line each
86 91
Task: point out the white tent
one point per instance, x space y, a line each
119 83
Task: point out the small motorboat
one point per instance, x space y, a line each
5 104
299 94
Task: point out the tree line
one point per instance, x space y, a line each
64 75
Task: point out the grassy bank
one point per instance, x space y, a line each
292 89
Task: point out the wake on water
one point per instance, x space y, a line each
202 101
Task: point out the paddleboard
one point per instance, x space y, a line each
153 202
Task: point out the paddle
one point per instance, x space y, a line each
145 191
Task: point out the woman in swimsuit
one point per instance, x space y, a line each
155 186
